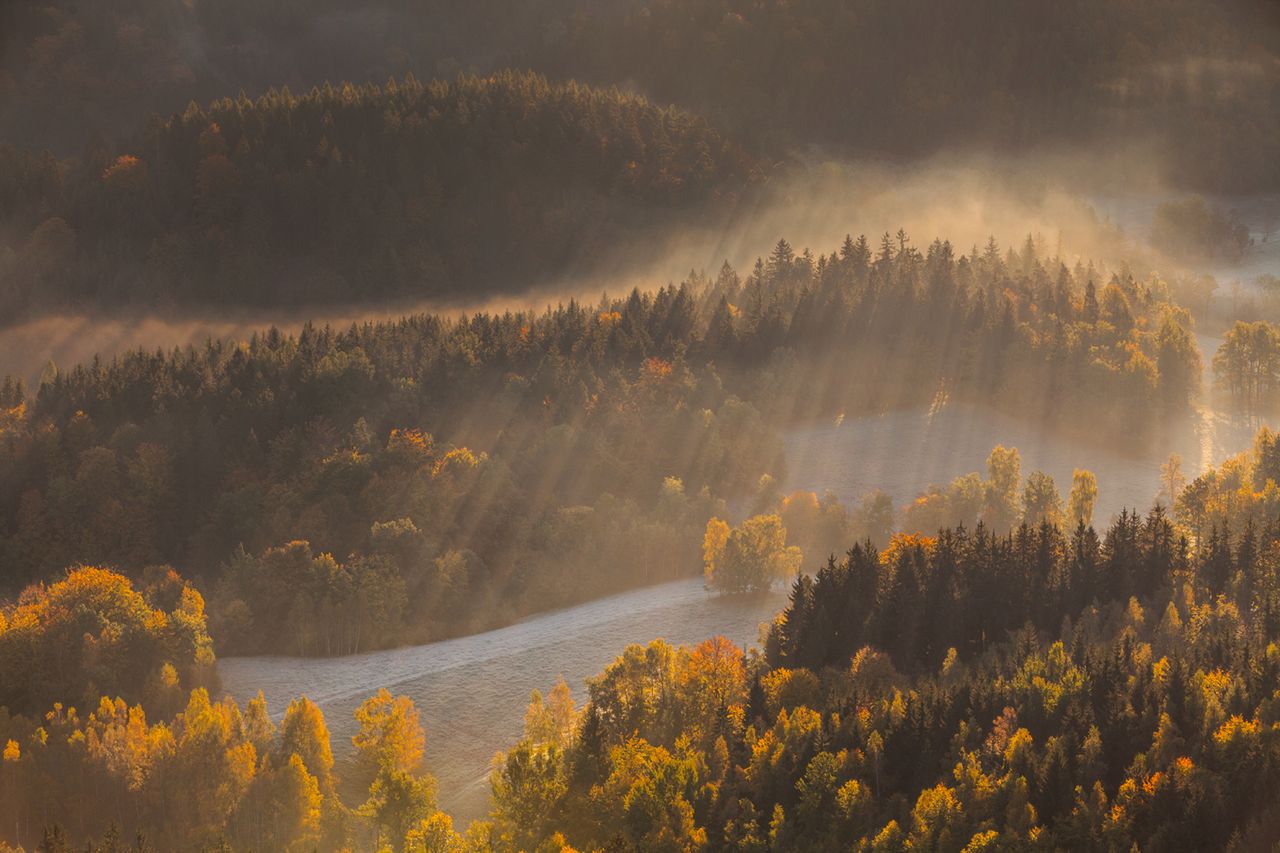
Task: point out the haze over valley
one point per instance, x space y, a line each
639 425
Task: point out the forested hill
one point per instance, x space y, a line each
1143 718
894 79
355 193
491 466
72 70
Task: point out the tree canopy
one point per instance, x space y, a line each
356 194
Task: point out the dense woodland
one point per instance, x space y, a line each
183 771
354 194
866 77
314 485
1047 688
70 72
1244 488
93 633
980 669
157 158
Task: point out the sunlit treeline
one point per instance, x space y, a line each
1244 491
890 324
110 735
771 544
962 590
218 777
94 632
480 468
1045 690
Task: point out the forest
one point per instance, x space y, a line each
594 426
202 773
157 158
354 194
1065 691
1043 688
340 490
251 466
866 77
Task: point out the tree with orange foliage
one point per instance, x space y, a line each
92 633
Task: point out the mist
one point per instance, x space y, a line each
1085 207
639 425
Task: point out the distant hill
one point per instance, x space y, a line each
351 193
70 70
899 80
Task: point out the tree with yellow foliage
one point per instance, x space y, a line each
1084 493
303 733
93 631
390 738
751 556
